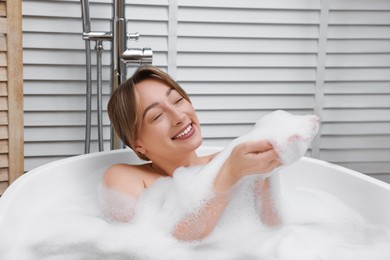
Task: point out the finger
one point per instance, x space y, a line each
275 164
257 146
270 157
272 165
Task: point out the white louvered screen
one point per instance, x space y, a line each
356 104
238 60
54 71
54 75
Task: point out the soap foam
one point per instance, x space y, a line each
315 224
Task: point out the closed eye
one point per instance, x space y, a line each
178 101
157 117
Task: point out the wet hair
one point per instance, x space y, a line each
124 109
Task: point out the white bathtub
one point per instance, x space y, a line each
35 192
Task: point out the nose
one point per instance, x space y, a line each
177 116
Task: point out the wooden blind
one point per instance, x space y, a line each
11 92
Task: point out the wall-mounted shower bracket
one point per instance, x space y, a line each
97 36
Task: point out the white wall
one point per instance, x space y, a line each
237 59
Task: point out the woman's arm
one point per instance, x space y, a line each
245 159
266 201
122 184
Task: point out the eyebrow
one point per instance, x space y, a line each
154 104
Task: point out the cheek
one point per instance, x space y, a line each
191 111
154 132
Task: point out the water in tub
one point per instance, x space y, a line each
314 224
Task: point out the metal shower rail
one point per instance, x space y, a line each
120 57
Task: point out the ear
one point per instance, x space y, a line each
139 147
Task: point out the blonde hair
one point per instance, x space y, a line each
124 110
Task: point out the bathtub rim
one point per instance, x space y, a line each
203 149
18 184
7 197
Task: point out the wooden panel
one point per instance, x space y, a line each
3 99
3 44
3 103
3 59
3 25
3 74
3 118
3 187
3 146
3 174
2 8
3 132
3 160
15 89
3 89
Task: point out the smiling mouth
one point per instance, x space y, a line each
187 132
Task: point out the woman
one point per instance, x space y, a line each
154 116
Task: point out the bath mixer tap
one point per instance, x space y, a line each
137 55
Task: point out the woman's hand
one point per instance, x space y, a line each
251 158
245 159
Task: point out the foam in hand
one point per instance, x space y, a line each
289 134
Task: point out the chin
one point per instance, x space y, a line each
199 137
199 143
195 144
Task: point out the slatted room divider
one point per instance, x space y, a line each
11 92
238 60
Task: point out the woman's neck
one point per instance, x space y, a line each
168 166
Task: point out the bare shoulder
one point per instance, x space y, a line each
129 179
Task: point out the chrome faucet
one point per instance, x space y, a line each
121 56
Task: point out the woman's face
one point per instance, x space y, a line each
169 125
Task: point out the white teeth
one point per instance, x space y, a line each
184 132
